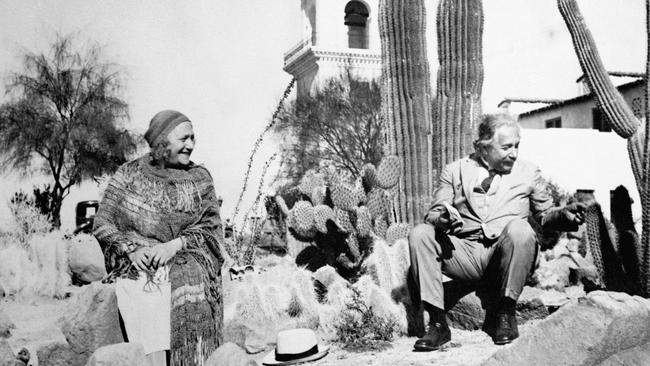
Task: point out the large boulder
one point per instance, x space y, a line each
6 325
91 320
230 354
86 259
602 329
120 354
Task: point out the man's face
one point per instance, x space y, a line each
504 149
181 144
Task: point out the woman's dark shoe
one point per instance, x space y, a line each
437 334
506 330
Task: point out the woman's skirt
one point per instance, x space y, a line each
145 309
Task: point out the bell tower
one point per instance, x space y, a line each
339 37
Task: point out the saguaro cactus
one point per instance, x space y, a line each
406 102
619 114
460 78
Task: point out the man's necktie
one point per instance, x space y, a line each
485 184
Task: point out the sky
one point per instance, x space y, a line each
220 62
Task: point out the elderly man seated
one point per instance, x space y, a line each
477 227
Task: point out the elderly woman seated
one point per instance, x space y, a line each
159 227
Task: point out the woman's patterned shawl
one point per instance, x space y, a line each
144 206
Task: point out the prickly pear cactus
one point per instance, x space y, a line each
343 216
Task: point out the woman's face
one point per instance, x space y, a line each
181 144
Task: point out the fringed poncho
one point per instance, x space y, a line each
143 206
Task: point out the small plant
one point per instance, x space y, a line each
28 218
361 329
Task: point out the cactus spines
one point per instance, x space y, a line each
360 193
323 213
406 102
388 172
343 220
397 231
380 227
460 78
302 215
364 221
376 204
344 196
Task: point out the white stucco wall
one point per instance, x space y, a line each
582 159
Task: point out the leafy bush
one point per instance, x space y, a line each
360 328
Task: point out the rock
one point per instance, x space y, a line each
85 259
59 354
468 313
120 354
2 291
6 325
229 354
255 343
531 310
6 354
632 356
604 326
91 320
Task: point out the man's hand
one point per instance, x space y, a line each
575 212
443 221
141 258
163 252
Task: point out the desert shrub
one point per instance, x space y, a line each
37 268
28 219
360 328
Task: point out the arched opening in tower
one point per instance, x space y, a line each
356 18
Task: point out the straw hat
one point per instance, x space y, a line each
294 346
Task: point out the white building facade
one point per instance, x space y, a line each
339 37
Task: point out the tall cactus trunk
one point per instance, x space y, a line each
406 103
619 114
644 187
460 78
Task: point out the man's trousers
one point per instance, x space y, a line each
434 254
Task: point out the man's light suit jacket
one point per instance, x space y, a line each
519 194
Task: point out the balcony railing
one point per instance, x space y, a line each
296 50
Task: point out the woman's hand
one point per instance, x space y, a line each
163 252
141 258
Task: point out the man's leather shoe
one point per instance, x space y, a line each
437 334
506 330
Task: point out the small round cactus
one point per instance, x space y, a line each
388 172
